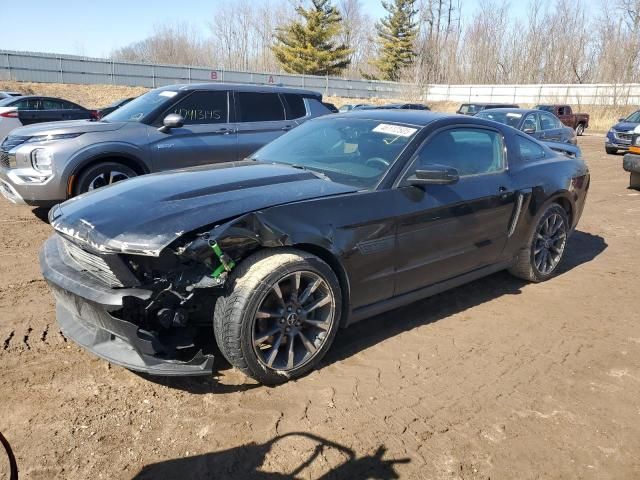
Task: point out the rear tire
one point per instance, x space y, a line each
611 151
279 314
580 129
101 175
544 249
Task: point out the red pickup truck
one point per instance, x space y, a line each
578 121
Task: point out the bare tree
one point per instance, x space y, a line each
178 43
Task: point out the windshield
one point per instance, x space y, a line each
355 152
136 110
634 117
508 118
545 108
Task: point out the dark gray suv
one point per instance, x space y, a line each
167 128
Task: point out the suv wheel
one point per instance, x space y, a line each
279 315
101 175
580 129
538 260
611 151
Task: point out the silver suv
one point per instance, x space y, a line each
167 128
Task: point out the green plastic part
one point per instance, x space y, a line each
226 263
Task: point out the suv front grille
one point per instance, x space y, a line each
92 264
625 137
4 160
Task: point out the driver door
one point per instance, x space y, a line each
448 230
207 135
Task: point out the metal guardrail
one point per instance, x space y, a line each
54 68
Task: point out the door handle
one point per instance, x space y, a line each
224 130
287 127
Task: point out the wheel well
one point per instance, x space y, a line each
133 164
337 268
566 205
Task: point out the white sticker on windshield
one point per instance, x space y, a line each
398 130
168 93
513 115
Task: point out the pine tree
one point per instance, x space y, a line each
396 35
307 46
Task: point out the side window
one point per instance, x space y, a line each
70 106
529 150
259 107
471 151
27 104
548 122
48 104
203 107
295 105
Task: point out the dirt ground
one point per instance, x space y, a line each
496 379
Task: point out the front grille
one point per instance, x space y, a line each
624 137
4 160
92 263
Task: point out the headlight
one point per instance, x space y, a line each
47 138
42 160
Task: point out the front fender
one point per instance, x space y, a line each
92 152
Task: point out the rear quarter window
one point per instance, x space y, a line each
294 104
529 150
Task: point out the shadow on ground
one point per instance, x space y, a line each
245 462
582 248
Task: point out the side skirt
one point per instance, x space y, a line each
410 297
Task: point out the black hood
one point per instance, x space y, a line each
145 214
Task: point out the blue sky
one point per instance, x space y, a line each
95 28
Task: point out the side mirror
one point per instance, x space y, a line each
621 119
173 120
434 175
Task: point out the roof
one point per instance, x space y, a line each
413 117
241 87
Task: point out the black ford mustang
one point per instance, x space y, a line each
342 218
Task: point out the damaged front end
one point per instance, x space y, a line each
146 313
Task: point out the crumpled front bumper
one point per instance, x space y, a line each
83 307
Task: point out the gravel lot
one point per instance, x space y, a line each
496 379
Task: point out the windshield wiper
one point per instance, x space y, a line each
307 169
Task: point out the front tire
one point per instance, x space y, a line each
544 250
580 129
101 175
279 315
611 151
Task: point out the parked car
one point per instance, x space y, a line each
537 123
358 106
27 110
473 108
170 127
103 112
405 106
619 136
345 217
578 121
9 94
331 107
631 161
